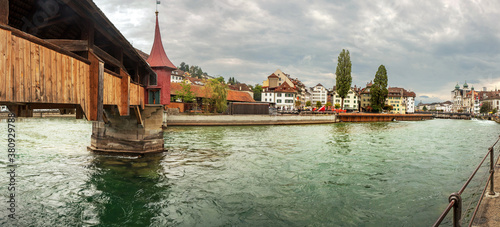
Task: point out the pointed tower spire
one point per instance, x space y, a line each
158 57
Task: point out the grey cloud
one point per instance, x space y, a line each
425 45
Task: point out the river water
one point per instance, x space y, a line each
345 174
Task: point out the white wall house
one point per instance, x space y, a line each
351 101
283 96
410 104
177 76
319 93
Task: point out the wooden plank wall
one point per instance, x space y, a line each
36 74
136 95
31 73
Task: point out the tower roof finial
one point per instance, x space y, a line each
158 57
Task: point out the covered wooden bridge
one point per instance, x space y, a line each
68 55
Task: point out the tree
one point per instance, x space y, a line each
425 108
485 107
220 79
218 94
308 103
337 106
297 104
379 91
183 67
343 72
328 105
257 92
185 94
318 104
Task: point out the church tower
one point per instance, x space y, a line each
158 90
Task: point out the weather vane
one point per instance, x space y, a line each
157 3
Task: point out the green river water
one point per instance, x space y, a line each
345 174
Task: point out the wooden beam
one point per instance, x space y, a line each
4 12
42 42
100 93
92 87
138 115
124 100
107 58
70 45
88 33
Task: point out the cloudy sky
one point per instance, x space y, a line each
427 46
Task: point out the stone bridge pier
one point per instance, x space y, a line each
139 133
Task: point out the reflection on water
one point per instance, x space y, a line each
125 190
369 174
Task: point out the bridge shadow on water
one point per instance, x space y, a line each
126 191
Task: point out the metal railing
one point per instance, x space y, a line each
455 199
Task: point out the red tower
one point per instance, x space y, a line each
158 90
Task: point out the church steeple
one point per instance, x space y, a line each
158 57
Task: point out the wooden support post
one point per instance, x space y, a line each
100 93
124 101
88 33
96 85
138 115
4 12
79 112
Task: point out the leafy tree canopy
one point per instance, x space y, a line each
185 94
343 72
379 90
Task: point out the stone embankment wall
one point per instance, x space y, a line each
214 120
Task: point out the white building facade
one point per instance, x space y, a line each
319 93
351 101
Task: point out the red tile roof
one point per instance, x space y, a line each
200 92
158 57
239 96
285 88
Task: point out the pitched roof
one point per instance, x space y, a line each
239 87
285 88
239 96
158 57
273 76
200 92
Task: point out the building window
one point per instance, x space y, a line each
278 95
278 101
152 79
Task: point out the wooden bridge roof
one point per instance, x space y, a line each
76 26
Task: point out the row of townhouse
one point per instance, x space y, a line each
468 100
401 100
283 91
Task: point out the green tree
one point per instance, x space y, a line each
328 104
343 72
183 67
425 108
388 107
379 91
257 92
297 104
485 107
308 103
318 104
220 79
337 106
185 94
218 94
